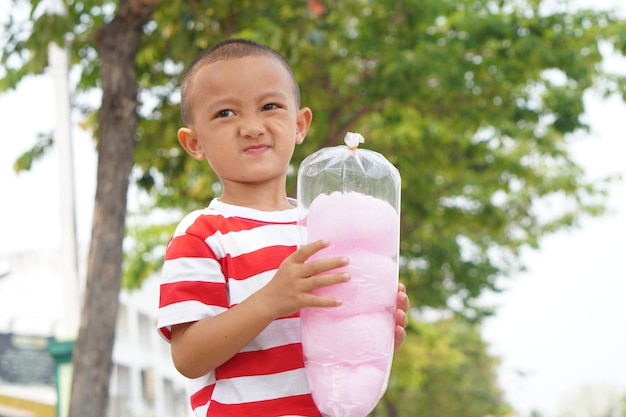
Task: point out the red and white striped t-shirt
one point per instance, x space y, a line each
216 259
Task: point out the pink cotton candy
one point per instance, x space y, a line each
354 392
348 349
352 217
327 337
373 283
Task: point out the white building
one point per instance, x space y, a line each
144 381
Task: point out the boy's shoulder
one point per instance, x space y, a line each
220 216
219 208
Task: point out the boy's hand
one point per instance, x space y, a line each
291 288
402 304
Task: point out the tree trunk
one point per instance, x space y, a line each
390 407
118 43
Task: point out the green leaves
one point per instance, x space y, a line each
460 96
40 148
443 369
473 101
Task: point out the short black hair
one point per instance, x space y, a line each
228 49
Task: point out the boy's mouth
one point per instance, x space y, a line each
256 149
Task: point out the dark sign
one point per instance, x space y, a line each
24 360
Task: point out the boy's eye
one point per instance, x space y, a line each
271 106
224 113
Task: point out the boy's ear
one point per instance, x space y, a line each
303 122
189 141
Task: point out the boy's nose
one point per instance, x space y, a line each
251 127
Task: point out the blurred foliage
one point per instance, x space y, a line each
444 369
146 255
43 144
471 100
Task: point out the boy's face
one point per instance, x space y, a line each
246 121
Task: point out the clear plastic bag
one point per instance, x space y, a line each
351 197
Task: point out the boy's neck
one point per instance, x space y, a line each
258 199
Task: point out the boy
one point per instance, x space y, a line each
232 281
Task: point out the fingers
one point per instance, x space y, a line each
399 336
324 280
306 251
292 287
318 266
319 301
401 318
402 300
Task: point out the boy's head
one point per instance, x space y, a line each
241 108
228 49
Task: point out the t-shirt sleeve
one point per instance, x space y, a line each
192 285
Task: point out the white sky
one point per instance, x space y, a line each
30 200
563 322
560 327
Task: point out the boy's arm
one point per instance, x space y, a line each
201 346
